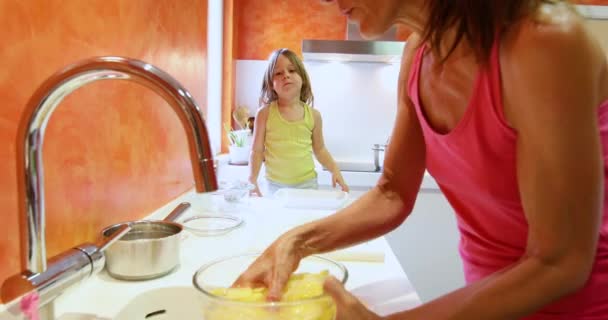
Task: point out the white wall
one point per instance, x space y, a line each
214 73
357 102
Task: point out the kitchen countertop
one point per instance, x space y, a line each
379 282
357 180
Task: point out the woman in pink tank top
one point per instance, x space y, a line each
505 103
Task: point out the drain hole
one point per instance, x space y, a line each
155 313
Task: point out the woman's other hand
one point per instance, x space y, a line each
272 269
336 179
348 306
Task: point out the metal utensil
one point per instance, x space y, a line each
150 250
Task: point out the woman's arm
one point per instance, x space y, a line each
257 149
322 154
551 81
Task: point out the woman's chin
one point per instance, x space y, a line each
370 33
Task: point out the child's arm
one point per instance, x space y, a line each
257 149
323 156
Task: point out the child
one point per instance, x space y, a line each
288 130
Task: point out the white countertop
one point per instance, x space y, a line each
383 285
357 180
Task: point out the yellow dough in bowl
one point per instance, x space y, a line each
303 299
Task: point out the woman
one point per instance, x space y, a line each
505 103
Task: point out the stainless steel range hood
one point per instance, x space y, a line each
385 49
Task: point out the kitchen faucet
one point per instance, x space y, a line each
76 264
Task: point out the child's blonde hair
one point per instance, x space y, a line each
268 94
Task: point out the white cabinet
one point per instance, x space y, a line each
426 245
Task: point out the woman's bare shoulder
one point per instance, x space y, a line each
552 42
553 31
407 58
548 55
409 51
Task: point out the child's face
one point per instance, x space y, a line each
286 81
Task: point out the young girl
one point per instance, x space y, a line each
287 130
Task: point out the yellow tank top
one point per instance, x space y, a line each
288 147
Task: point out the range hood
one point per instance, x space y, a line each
385 49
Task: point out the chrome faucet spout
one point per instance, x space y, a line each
38 111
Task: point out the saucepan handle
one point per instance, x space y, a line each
178 211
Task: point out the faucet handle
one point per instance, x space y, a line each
377 147
95 252
105 242
65 269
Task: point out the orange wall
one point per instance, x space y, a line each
113 151
262 26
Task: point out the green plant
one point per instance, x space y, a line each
235 139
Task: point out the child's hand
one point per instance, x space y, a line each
336 178
256 190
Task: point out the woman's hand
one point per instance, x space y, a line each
348 307
272 269
336 179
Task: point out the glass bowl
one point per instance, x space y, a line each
224 272
236 195
211 225
236 191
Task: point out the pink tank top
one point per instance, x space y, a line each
474 166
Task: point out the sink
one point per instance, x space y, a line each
163 304
177 302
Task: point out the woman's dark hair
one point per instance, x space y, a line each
478 21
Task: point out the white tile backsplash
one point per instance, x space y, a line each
357 102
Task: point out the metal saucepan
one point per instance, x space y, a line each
151 249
